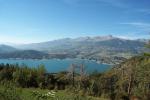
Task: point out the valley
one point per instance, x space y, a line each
106 49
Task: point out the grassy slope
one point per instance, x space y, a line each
26 94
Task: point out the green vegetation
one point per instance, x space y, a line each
130 79
9 92
127 80
24 54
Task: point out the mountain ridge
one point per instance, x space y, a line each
6 48
24 54
107 49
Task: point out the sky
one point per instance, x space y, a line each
31 21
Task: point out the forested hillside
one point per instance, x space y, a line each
24 54
130 79
6 49
133 77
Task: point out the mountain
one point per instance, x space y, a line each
6 49
107 49
83 44
24 54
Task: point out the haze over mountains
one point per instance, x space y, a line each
107 49
6 49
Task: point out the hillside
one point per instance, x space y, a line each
107 49
24 54
132 77
127 80
6 49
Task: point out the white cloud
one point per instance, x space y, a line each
70 2
116 3
134 35
140 25
143 10
142 30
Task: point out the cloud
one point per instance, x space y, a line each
116 3
70 2
141 25
133 35
146 11
142 30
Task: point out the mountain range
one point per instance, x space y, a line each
107 49
6 49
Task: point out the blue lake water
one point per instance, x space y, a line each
57 65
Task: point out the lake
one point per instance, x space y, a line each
57 65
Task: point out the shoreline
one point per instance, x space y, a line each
96 61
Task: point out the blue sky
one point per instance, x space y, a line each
27 21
